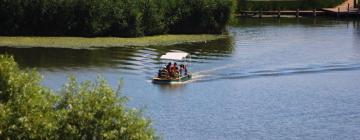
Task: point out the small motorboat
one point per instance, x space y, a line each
176 71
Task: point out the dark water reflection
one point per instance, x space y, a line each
128 58
273 79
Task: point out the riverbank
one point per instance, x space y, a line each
104 42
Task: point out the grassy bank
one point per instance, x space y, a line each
102 42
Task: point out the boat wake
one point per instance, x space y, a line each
232 73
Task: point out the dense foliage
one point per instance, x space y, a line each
113 17
286 5
83 111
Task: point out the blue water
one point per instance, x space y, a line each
273 79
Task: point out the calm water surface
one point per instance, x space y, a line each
273 79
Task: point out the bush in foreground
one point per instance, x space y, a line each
82 111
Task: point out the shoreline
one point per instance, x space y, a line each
104 42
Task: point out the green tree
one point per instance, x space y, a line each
123 18
152 18
80 111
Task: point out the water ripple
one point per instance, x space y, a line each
215 74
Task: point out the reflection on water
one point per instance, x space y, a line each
171 87
273 79
127 58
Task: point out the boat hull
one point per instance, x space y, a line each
172 81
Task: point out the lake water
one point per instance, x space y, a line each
273 79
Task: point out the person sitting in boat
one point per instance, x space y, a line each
177 73
163 73
168 66
159 73
169 69
185 70
181 69
174 71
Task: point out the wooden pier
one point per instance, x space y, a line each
346 9
296 13
352 12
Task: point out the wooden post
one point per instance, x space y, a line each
358 6
314 12
279 14
348 10
338 13
297 13
260 14
355 4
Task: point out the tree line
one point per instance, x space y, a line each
84 110
123 18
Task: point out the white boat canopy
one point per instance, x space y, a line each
174 56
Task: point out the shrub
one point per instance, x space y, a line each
80 111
